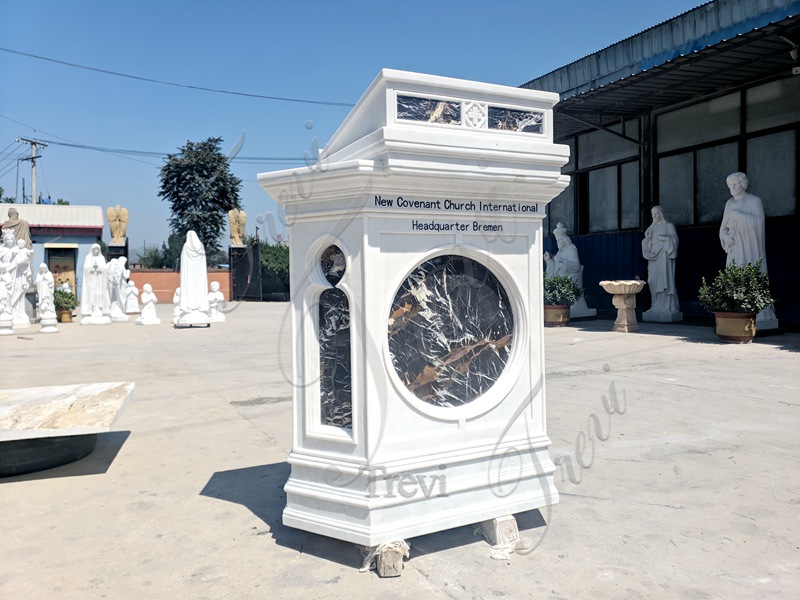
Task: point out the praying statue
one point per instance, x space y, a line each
216 302
95 303
132 299
20 228
237 219
149 301
742 235
117 223
660 249
566 262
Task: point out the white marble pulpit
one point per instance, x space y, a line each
416 278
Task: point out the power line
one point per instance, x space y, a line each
173 84
271 159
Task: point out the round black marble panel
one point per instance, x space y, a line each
450 330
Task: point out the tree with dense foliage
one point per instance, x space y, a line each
199 185
6 199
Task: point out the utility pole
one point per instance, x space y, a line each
33 143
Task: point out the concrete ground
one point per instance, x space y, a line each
692 492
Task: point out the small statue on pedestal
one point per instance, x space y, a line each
117 223
237 219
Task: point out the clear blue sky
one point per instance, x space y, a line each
313 50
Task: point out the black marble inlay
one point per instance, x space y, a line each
450 330
334 359
515 120
428 110
333 264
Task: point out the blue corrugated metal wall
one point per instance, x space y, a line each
619 256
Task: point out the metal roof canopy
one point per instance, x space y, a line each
748 56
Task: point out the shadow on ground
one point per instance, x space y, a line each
260 490
96 463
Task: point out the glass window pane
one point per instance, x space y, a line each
675 188
713 166
603 200
630 194
773 104
771 161
598 147
699 123
561 210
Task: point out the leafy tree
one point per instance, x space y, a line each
6 199
151 258
103 249
198 184
171 250
61 202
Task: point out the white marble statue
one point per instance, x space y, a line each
216 302
95 303
45 286
566 262
6 318
149 301
742 235
132 299
118 288
194 283
660 249
176 306
22 271
8 247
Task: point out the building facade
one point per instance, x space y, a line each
662 118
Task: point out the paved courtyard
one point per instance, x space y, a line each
692 492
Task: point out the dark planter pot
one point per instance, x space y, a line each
64 316
556 315
736 328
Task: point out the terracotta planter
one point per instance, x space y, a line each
737 328
64 316
556 315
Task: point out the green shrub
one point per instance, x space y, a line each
737 289
560 290
64 300
274 267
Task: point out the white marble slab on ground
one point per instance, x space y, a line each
39 412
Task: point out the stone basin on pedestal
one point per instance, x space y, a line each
624 300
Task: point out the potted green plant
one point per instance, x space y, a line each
560 292
735 296
65 303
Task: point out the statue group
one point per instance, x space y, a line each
16 277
